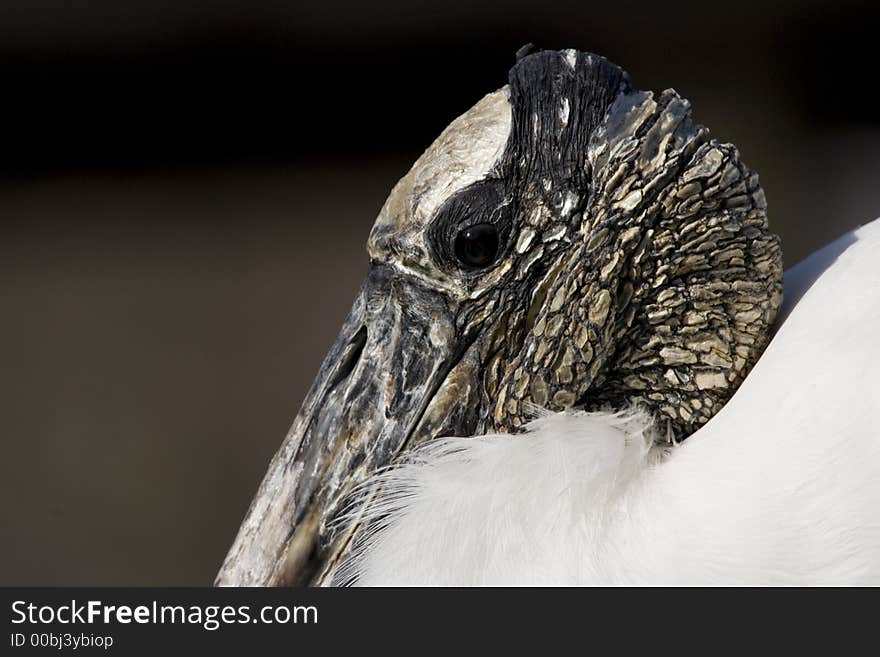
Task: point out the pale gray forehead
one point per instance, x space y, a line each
466 152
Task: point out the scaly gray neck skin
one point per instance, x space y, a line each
666 296
629 261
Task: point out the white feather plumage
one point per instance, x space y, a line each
781 487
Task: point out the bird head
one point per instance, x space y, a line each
569 242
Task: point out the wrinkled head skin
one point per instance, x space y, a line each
569 242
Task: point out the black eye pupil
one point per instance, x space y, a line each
477 246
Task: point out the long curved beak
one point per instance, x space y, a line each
371 395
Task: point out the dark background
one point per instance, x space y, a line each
185 193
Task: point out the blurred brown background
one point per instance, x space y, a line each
185 193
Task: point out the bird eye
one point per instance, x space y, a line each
477 246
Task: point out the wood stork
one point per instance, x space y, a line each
576 278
